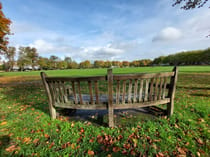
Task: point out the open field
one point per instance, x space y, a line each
26 128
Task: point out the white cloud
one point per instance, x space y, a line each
168 34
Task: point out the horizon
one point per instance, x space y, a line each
87 30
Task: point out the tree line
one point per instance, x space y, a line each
197 57
29 59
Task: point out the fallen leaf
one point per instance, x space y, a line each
199 141
116 149
181 151
90 152
3 123
27 140
35 141
12 148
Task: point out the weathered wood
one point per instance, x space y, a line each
96 92
141 89
118 92
170 105
130 91
90 92
142 76
156 89
70 79
146 90
50 102
123 92
110 97
80 93
164 88
142 104
160 88
138 94
135 90
151 90
74 92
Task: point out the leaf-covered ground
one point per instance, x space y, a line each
26 128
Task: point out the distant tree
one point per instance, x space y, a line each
68 59
107 64
23 60
85 64
125 64
62 65
116 63
53 61
32 55
43 63
4 31
73 65
98 64
10 56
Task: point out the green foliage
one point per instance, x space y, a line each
197 57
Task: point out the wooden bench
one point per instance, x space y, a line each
113 91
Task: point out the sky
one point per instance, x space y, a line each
107 29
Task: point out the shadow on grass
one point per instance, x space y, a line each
194 88
201 95
4 142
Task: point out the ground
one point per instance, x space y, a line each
27 130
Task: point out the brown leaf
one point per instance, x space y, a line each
35 141
12 148
116 149
160 154
27 140
3 123
46 136
51 145
181 151
199 141
90 152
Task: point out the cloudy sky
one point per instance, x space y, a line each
107 29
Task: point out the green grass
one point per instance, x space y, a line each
26 128
90 72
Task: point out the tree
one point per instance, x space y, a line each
53 61
32 55
85 64
190 4
22 61
43 63
10 56
98 64
4 31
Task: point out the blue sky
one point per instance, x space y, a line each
107 29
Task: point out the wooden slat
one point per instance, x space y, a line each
74 92
160 89
118 92
90 92
156 88
80 93
96 92
135 90
142 104
52 91
141 89
170 106
123 92
151 89
142 75
64 91
79 106
57 92
129 91
110 98
164 88
61 94
89 78
146 90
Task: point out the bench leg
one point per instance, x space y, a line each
111 117
170 108
52 112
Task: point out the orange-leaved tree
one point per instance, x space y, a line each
4 31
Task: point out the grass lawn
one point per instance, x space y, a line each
26 128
